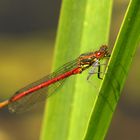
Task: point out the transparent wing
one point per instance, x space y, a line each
28 101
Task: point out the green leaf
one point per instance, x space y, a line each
122 55
83 26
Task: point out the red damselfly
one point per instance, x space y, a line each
24 98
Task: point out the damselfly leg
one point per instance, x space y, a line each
92 71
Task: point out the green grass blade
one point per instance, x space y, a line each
83 26
125 47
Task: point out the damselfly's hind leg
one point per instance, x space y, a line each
92 70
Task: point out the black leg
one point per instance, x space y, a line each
99 71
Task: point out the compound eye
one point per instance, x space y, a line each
98 54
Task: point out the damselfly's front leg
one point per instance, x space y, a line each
95 65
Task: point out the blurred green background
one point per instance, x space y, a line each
27 38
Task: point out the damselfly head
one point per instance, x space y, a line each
102 52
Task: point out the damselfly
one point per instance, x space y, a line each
24 98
